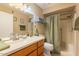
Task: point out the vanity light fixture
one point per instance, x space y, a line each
22 6
18 5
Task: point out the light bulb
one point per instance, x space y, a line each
12 4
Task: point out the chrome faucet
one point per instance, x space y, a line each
14 36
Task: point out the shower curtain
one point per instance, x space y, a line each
52 31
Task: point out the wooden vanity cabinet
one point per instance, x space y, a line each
34 53
40 48
25 51
36 49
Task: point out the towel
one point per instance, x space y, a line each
3 45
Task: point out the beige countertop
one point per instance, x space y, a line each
19 44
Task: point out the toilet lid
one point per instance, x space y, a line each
48 46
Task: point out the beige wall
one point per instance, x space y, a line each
41 28
55 7
77 32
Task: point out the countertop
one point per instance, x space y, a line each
19 44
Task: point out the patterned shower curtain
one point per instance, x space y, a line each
52 31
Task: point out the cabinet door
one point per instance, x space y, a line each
41 43
40 50
25 51
34 53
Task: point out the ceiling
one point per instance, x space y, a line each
43 5
46 5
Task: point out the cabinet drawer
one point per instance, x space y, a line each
40 50
34 53
25 51
40 43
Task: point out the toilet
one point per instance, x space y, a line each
47 49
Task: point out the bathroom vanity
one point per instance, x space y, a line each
35 49
33 46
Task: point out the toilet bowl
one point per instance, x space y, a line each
47 49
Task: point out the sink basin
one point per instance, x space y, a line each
10 42
24 40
